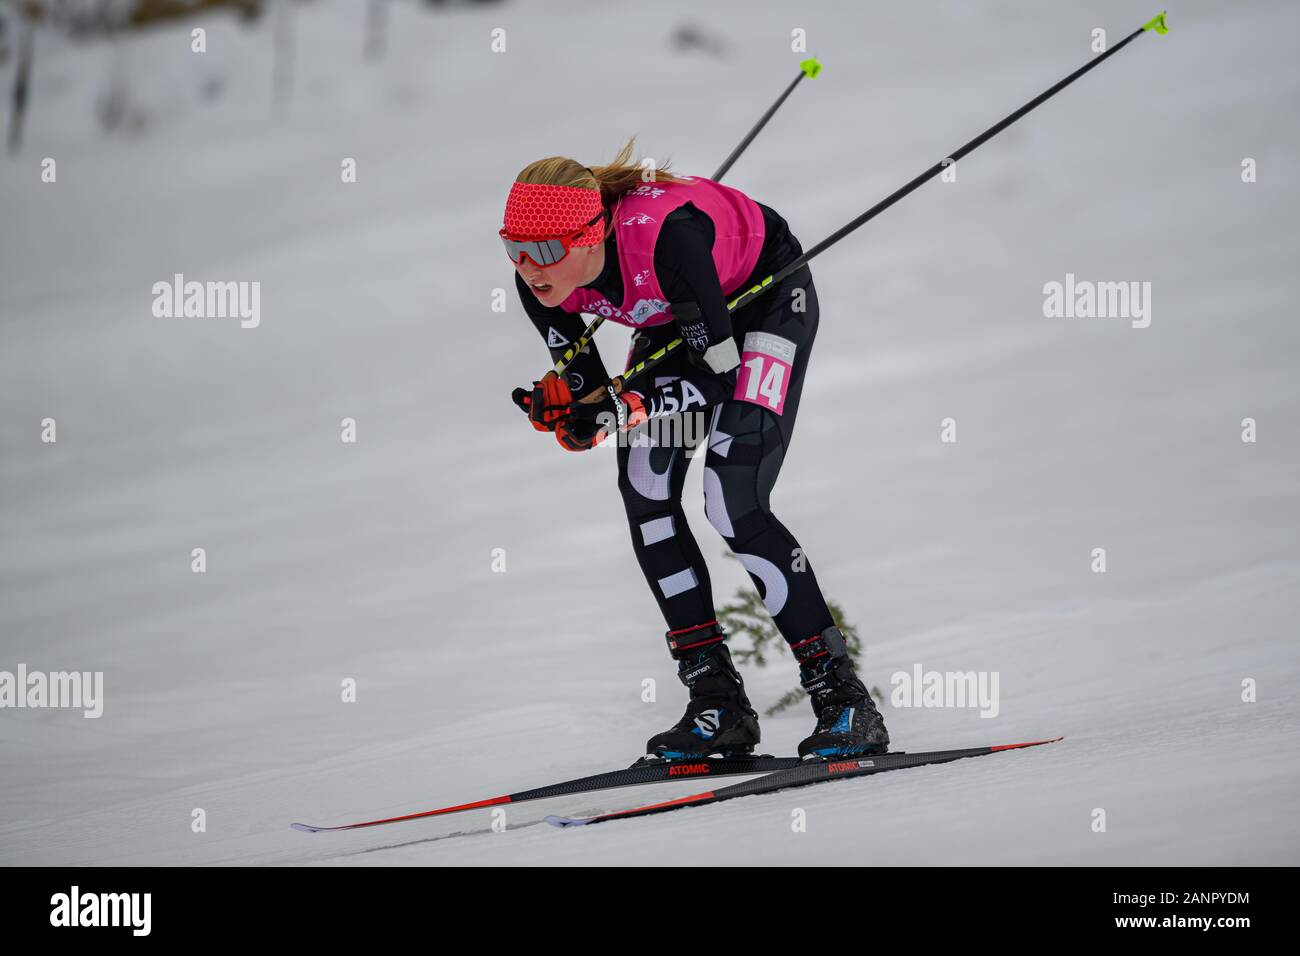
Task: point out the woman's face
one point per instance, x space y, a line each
556 283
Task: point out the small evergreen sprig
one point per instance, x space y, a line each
746 616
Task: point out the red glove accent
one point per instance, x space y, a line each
523 397
548 403
636 412
585 425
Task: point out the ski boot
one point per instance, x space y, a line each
719 720
848 723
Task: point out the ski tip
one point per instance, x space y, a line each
305 828
565 821
1028 743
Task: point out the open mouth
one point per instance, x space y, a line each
541 286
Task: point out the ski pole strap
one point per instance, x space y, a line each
620 406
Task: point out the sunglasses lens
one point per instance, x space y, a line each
544 252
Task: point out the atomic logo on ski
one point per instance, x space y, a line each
688 769
848 765
807 773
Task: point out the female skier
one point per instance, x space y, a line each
664 257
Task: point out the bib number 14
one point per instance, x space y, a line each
765 368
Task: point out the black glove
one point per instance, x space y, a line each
579 434
588 422
546 402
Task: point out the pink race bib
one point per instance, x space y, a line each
765 369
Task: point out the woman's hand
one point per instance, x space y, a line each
600 411
546 403
579 435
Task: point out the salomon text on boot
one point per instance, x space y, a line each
848 723
719 720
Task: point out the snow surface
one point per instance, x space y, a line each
373 561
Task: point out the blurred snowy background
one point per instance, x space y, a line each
373 560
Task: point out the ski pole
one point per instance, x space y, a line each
1157 24
809 68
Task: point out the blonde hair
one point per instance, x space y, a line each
616 177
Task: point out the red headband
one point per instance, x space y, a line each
543 211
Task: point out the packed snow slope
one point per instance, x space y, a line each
373 562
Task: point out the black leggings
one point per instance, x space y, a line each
747 441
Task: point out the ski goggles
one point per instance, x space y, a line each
546 252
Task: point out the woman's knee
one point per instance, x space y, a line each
733 501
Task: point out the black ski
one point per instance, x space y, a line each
808 772
637 774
